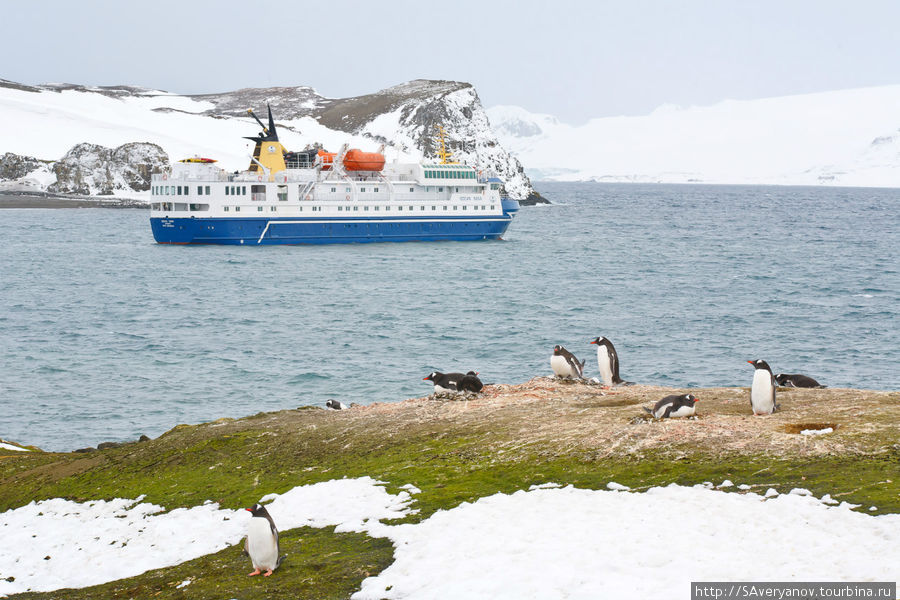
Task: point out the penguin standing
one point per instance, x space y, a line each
796 380
564 363
607 362
762 391
444 382
674 406
262 541
470 383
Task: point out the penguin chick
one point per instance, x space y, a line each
470 383
261 543
564 363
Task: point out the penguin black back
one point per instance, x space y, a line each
470 383
797 380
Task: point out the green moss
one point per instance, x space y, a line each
237 463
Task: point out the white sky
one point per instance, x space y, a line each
574 59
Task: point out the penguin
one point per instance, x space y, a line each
674 406
798 381
607 362
470 383
261 543
762 391
564 363
444 382
336 405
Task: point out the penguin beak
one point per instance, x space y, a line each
248 510
750 361
592 342
424 379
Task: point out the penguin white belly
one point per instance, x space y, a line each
605 365
561 366
683 411
762 393
659 412
438 389
261 545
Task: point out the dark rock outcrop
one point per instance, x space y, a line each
89 169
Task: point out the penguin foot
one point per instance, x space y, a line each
256 572
267 573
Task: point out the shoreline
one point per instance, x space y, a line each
45 200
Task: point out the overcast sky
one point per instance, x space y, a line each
573 59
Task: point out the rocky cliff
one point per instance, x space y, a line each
403 117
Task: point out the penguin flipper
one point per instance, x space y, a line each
280 560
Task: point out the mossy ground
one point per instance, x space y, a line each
454 452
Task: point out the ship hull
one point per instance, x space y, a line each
267 231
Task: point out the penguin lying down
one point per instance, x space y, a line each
796 380
455 382
674 406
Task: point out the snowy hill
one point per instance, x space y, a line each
39 125
849 137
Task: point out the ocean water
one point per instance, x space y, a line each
105 335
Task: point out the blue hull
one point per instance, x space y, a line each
265 231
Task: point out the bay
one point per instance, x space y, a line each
105 335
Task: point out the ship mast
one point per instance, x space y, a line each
443 151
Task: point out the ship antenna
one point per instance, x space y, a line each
253 114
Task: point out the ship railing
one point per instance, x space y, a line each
299 163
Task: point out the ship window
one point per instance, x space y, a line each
444 207
376 189
340 208
455 207
226 190
377 208
225 209
412 189
282 193
257 193
301 209
494 186
199 206
457 190
440 189
362 190
365 208
259 209
421 208
434 208
492 207
355 208
399 208
199 190
348 190
333 190
181 206
207 190
237 209
273 208
464 207
179 190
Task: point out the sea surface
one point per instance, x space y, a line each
105 335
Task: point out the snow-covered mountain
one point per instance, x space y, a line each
102 131
849 137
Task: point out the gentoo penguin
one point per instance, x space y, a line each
564 363
797 380
336 405
444 382
262 541
674 406
607 361
762 392
470 383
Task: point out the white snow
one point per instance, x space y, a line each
547 542
102 541
612 485
6 446
726 483
846 137
576 543
816 431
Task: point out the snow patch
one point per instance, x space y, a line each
816 431
6 446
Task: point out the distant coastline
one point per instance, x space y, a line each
45 200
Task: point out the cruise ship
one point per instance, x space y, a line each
319 197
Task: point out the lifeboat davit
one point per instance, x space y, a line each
357 160
326 159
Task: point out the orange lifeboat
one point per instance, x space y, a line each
326 159
357 160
